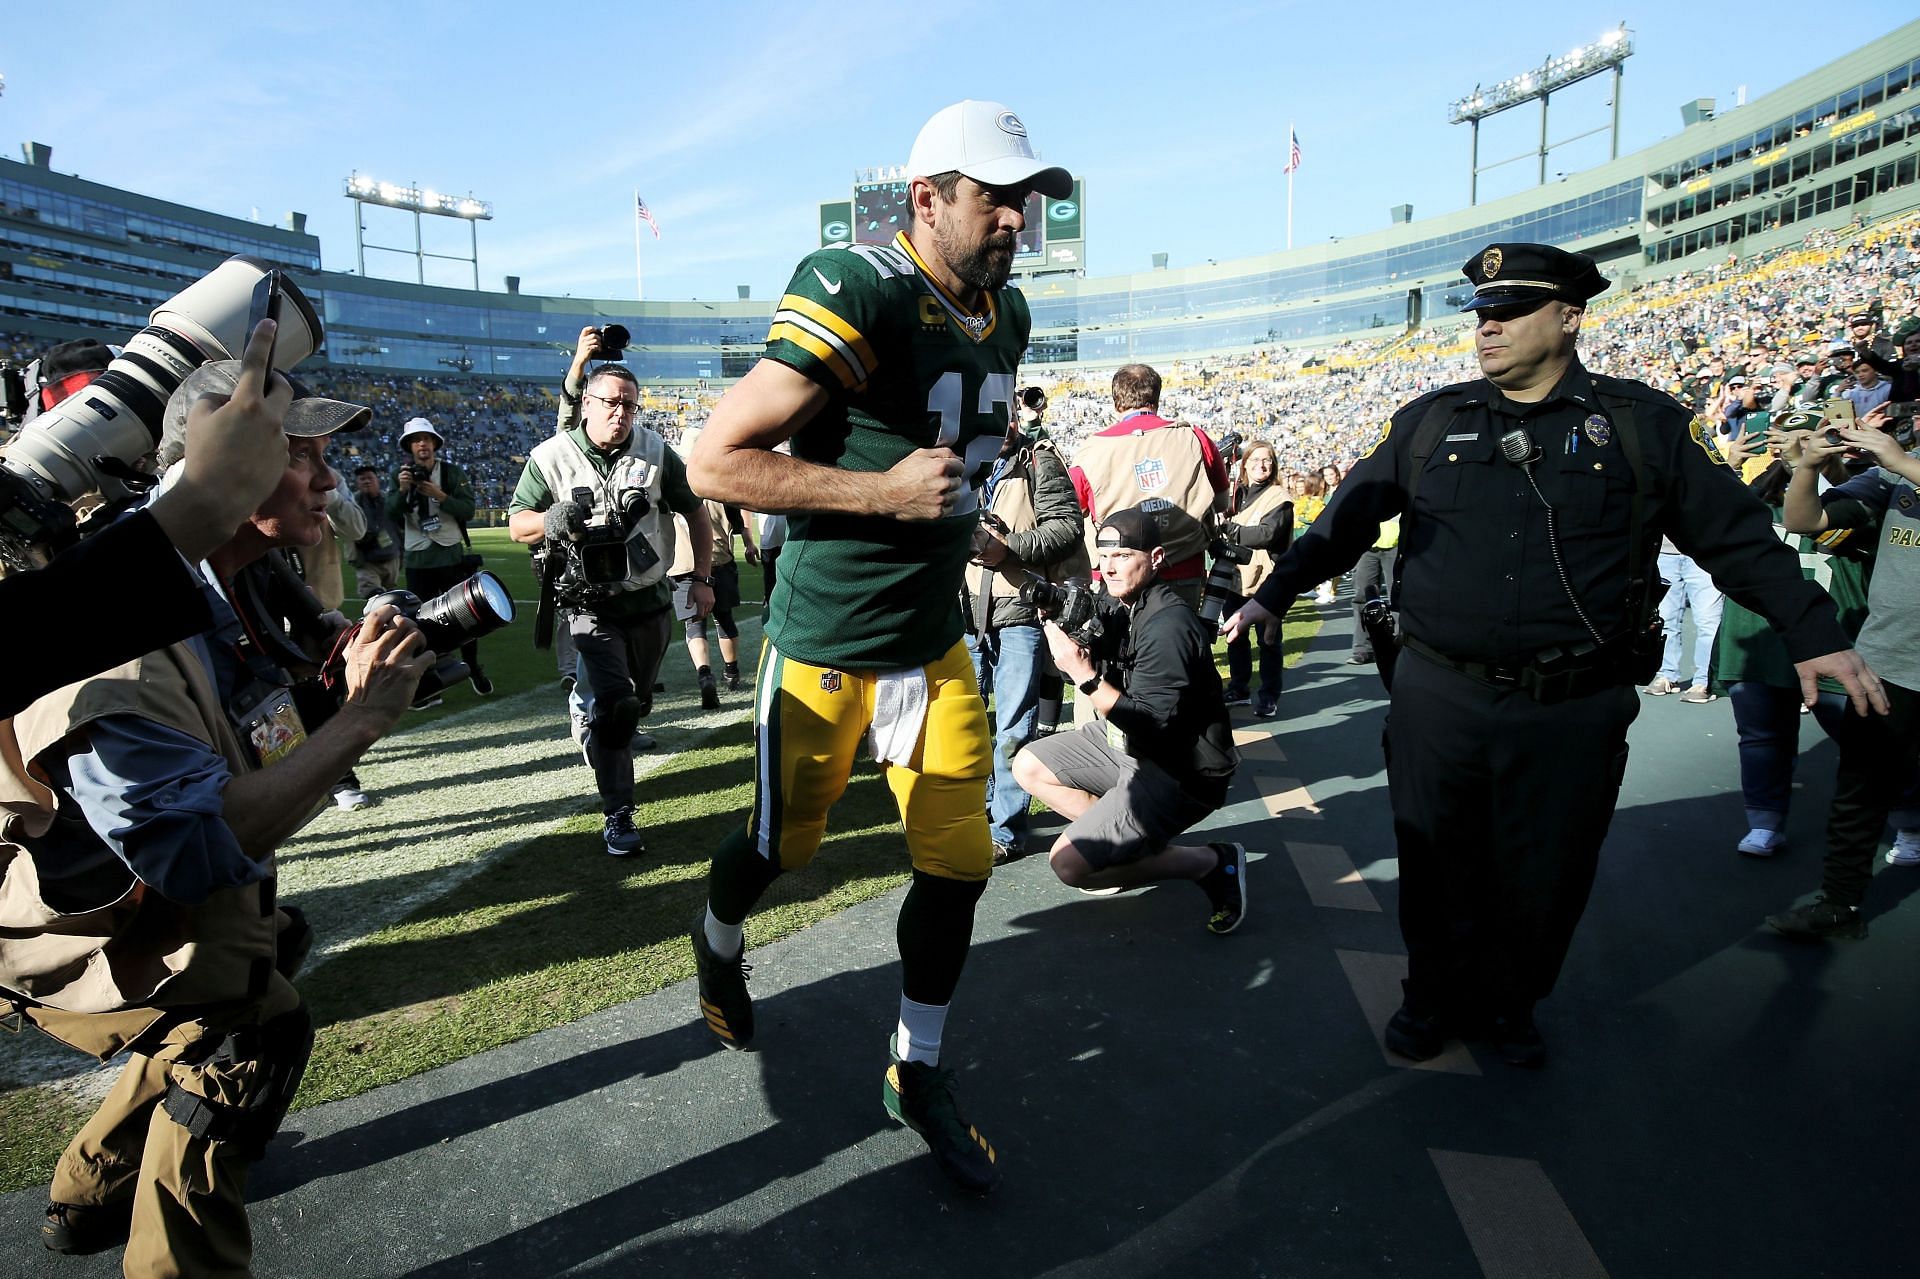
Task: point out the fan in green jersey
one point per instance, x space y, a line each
890 369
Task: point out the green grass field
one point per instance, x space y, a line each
476 902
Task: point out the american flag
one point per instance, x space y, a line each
642 212
1293 152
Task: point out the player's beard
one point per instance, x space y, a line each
979 266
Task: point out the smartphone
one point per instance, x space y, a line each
266 306
1897 409
1839 412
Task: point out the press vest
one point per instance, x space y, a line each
1013 503
1166 462
565 468
448 534
1255 570
120 946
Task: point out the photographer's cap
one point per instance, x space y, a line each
419 426
1133 529
309 415
986 142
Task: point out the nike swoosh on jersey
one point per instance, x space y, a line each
831 286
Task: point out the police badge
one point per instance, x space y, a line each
1598 429
1490 262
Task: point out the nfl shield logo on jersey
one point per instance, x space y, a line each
830 681
1150 475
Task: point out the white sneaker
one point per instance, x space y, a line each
1906 848
349 798
1761 843
1660 687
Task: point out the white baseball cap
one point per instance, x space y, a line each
987 142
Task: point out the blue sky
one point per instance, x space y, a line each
735 121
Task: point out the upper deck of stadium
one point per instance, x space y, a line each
1838 143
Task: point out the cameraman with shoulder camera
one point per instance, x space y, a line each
433 500
140 820
1032 524
595 494
1161 755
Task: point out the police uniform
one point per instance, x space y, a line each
1520 601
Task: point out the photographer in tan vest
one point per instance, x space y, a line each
1031 525
1143 456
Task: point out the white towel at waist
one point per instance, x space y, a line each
899 710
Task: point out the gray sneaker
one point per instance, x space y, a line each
623 837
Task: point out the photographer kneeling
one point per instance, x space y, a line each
1161 755
593 495
138 825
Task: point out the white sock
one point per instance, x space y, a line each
725 940
918 1037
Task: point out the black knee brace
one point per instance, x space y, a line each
281 1046
613 727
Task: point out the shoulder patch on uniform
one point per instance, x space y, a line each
1697 428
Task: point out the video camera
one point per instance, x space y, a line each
578 573
1069 604
96 439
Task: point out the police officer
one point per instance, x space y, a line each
1533 501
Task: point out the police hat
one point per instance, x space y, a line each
1506 274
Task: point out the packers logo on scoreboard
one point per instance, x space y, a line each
1062 211
837 231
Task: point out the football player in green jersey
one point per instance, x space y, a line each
890 370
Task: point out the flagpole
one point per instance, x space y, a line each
639 293
1290 168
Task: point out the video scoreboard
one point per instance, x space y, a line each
1054 238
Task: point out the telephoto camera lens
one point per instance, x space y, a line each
477 607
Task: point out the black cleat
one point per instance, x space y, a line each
921 1097
1517 1040
724 1001
481 684
709 695
79 1230
1226 887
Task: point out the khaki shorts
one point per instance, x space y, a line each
1139 806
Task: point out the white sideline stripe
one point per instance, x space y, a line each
1286 797
1330 877
1515 1220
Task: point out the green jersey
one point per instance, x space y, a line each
1746 647
905 367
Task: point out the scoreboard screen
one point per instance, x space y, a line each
1054 234
883 208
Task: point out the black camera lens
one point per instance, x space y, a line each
611 344
478 606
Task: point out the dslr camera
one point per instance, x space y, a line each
611 344
477 607
1069 604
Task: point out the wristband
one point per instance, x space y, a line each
701 578
1090 685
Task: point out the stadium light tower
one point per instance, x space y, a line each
363 191
1607 53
